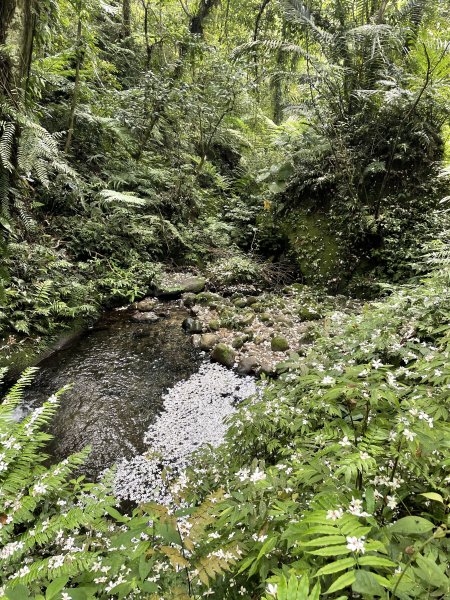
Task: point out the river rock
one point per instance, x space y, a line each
279 344
266 368
224 355
196 338
214 325
173 286
145 317
208 341
189 299
247 364
192 325
146 305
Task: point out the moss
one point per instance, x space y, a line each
279 344
313 245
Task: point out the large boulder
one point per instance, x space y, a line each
177 284
224 355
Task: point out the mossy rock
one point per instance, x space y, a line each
279 344
208 341
224 355
214 325
177 284
307 313
189 299
240 302
239 341
245 320
208 298
266 319
146 305
313 245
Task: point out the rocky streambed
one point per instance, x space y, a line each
155 380
254 332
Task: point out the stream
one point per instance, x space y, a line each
119 371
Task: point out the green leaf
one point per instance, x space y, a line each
433 496
411 526
342 582
267 547
331 551
433 574
18 592
315 592
325 540
375 561
366 584
55 587
336 566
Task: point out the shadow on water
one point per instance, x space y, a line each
119 371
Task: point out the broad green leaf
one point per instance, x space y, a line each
342 582
18 592
411 526
366 584
433 496
55 587
315 592
434 575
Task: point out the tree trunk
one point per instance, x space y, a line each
7 14
126 18
26 50
76 88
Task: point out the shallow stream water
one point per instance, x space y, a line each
119 371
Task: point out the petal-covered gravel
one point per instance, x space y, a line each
194 415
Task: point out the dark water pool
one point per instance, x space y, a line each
119 371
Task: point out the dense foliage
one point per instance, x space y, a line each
335 480
254 142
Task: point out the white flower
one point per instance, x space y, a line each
333 515
409 435
327 380
391 502
272 589
364 455
356 544
376 364
257 476
345 442
66 596
355 508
